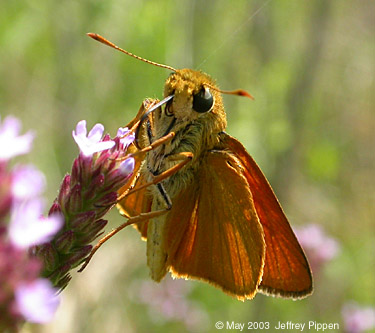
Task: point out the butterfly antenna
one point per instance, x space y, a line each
107 42
238 92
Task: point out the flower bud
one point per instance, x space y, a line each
55 209
95 186
85 163
82 220
65 241
59 273
48 255
63 282
107 201
76 175
74 202
64 191
75 258
93 231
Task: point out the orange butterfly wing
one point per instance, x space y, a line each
286 270
213 232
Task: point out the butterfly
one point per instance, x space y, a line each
207 211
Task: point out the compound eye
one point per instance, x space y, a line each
203 101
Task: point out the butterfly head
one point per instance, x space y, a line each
195 96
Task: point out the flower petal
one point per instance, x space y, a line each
127 167
96 133
11 126
81 129
103 145
28 228
122 131
11 144
27 182
127 140
90 144
37 301
126 137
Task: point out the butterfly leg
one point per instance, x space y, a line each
140 154
139 218
186 157
155 144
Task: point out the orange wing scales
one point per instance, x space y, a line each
227 228
286 270
207 240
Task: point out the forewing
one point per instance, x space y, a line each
286 270
213 232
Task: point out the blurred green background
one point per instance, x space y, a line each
310 66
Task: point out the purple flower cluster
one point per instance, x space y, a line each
23 294
319 247
86 195
168 301
358 319
31 245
